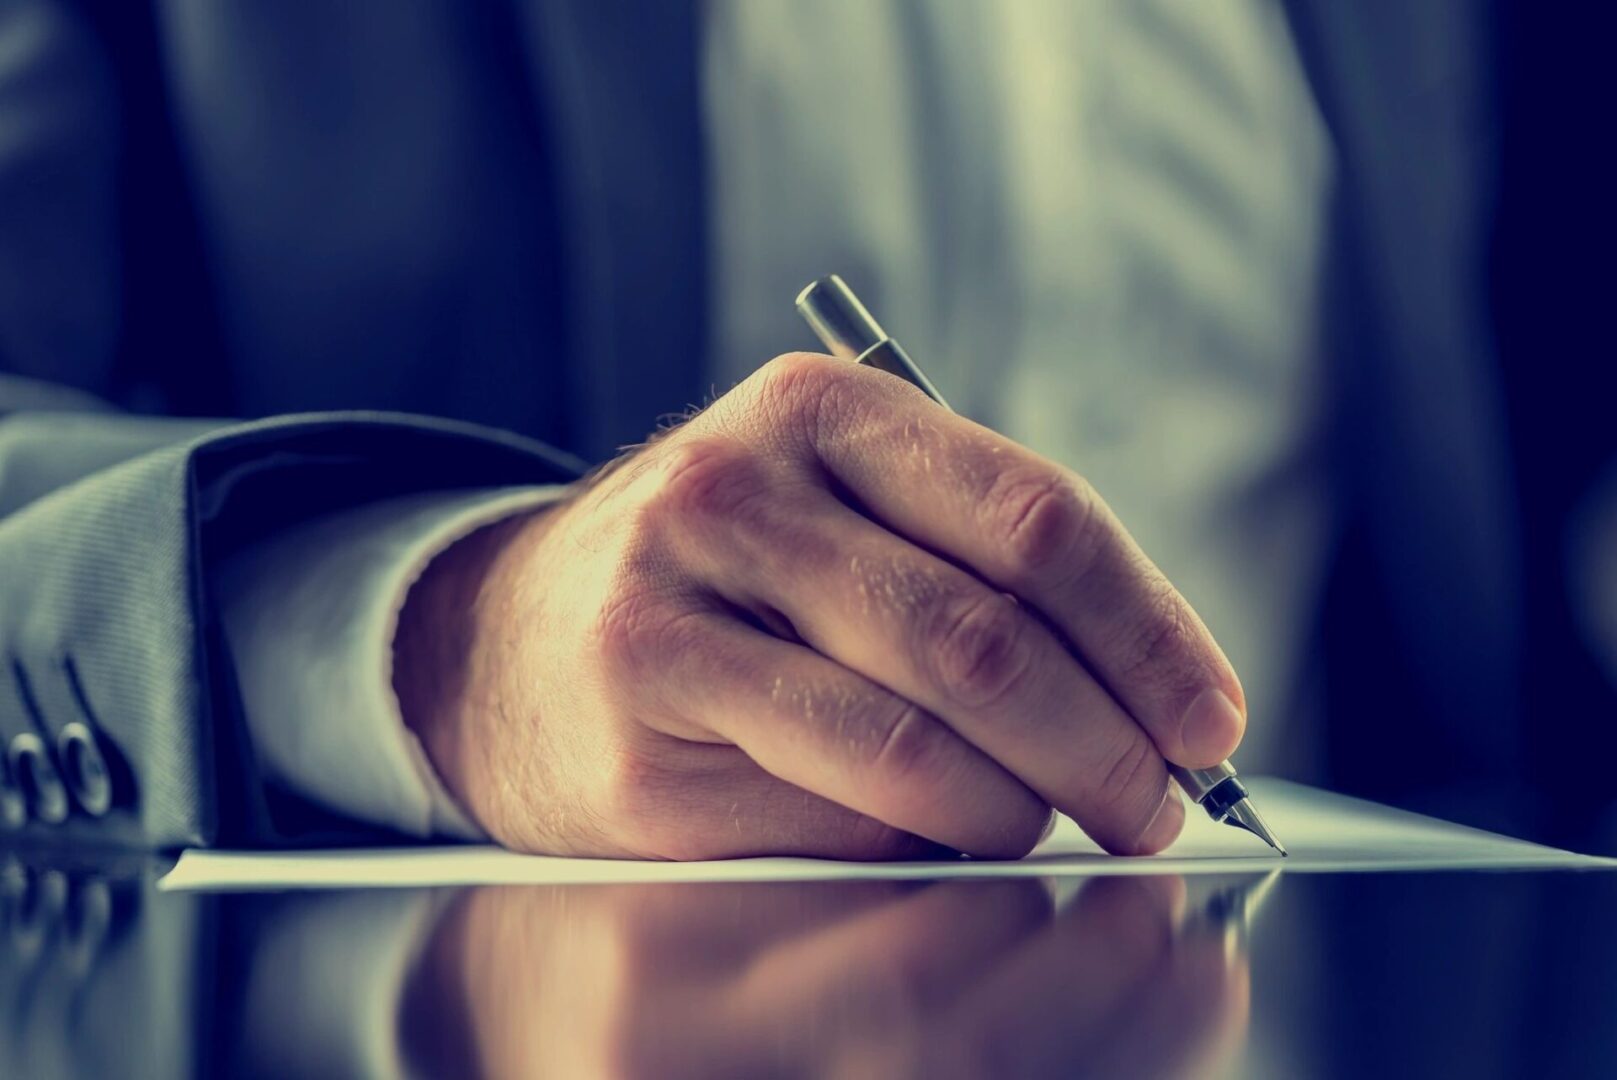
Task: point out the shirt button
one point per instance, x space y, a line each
34 772
85 768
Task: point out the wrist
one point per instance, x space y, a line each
454 641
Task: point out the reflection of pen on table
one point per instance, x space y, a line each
1218 906
851 333
1230 908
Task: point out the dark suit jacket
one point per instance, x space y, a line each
494 212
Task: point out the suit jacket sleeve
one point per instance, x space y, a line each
118 708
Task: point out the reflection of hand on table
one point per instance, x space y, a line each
855 978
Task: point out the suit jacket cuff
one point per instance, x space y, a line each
310 615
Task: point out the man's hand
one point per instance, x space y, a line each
824 617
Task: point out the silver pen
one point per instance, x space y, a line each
850 333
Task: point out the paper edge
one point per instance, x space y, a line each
199 870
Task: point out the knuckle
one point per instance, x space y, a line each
710 478
1046 522
799 375
798 384
636 630
980 650
1159 649
1130 790
906 752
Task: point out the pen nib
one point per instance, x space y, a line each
1243 815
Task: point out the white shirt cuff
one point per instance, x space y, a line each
310 615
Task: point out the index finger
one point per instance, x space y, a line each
1032 528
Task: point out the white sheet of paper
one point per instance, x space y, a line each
1324 832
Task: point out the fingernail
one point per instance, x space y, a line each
1164 828
1212 726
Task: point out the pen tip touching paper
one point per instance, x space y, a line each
1243 815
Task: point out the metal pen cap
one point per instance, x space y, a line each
850 332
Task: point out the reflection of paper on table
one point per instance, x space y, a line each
1325 832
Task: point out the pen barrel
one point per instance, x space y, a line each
838 318
889 356
850 332
1200 784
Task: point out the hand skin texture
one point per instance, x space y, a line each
824 617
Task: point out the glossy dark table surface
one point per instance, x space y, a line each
1443 974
